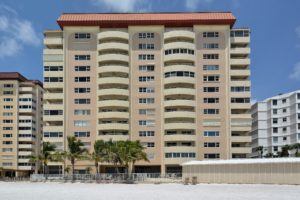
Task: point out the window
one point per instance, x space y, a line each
8 85
212 144
7 142
146 90
146 133
298 96
284 129
53 68
210 67
284 119
275 111
146 68
210 34
212 78
210 45
53 112
283 101
82 112
7 107
146 100
146 111
275 120
274 102
150 144
212 155
146 35
7 164
82 101
82 90
275 139
239 33
240 100
211 89
211 100
82 134
275 130
7 135
7 114
82 79
7 128
7 121
82 35
284 110
146 78
179 51
179 74
146 122
146 57
8 92
146 46
82 68
82 123
211 111
7 157
53 79
7 99
211 133
180 155
240 89
53 134
210 56
82 57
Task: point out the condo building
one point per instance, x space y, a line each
276 122
21 119
178 82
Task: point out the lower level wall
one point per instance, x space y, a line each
262 173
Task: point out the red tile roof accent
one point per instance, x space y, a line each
19 77
123 20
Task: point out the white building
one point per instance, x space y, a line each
276 122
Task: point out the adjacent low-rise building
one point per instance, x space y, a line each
21 117
276 122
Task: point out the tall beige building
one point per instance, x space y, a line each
178 82
21 119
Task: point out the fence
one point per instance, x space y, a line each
109 178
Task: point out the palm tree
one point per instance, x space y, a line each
284 151
296 147
75 151
45 156
260 150
99 154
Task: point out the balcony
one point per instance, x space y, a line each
25 167
179 34
113 126
113 34
177 161
177 103
25 153
241 116
53 95
176 79
179 57
113 115
113 46
113 137
113 103
180 126
240 83
54 85
26 146
240 61
113 80
113 57
28 90
240 106
53 41
179 91
53 118
238 51
180 114
176 45
113 92
171 68
113 69
241 150
242 72
180 137
240 39
241 139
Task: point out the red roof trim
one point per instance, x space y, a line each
19 77
118 20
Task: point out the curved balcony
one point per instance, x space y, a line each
113 57
180 137
179 34
113 126
180 126
179 57
113 46
178 161
113 34
113 137
177 103
181 149
180 114
179 79
113 103
113 115
113 92
176 45
113 80
171 68
113 69
179 91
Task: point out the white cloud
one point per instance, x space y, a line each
192 5
296 72
15 32
123 5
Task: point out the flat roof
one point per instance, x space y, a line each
123 20
242 161
19 77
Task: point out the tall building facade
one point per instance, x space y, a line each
178 82
276 122
20 123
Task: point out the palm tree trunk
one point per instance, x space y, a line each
97 165
73 168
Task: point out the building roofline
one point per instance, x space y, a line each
168 19
19 77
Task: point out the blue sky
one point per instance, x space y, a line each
275 38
